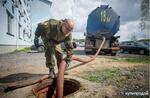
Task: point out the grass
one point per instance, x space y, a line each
108 76
133 59
119 77
22 50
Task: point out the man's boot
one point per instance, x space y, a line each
52 73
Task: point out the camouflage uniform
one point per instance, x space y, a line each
52 36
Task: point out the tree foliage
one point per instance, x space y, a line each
145 18
133 37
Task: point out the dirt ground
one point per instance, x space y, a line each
20 65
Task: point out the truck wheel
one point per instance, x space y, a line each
113 54
121 51
87 52
142 52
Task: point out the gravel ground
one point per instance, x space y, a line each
20 65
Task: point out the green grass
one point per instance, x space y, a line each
133 59
123 78
108 76
22 50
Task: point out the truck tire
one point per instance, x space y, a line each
121 50
141 52
113 54
87 52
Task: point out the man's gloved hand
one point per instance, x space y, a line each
68 61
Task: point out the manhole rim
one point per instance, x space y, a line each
35 88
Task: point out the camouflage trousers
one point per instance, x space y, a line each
53 54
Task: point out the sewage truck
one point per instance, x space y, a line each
102 22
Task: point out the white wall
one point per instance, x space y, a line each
9 43
6 39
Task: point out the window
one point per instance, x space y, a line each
20 2
13 9
24 12
9 24
25 2
19 31
24 34
19 16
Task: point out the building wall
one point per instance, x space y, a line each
17 14
4 37
20 34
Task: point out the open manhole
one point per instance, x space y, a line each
47 88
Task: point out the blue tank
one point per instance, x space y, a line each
103 21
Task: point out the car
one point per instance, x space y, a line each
134 47
146 43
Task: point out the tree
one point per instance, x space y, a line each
145 18
133 37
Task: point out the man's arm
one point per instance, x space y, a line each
37 35
69 47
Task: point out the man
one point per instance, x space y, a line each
53 32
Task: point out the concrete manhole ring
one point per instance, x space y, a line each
47 88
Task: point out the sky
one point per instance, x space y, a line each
78 10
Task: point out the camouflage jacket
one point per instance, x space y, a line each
50 30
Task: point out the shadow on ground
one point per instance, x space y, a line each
18 77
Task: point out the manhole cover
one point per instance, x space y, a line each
47 88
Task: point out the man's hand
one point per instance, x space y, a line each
68 61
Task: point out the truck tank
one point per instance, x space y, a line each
103 21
